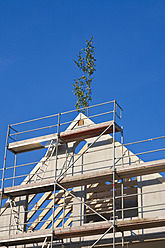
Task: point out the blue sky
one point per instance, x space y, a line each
40 39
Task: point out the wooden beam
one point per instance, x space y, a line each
38 204
105 187
46 210
68 221
56 212
60 218
99 206
108 194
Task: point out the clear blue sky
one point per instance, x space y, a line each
39 40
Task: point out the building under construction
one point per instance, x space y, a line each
69 180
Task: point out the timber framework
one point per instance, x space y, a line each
69 180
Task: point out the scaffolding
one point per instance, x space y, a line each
64 195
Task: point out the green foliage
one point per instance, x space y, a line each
82 86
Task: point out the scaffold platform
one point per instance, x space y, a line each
84 179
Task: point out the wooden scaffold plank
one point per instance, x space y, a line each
84 230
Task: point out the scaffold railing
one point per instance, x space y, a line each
49 124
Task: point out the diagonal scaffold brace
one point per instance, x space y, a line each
55 175
102 236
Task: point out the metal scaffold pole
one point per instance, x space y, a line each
15 165
114 210
102 236
122 188
55 175
14 172
122 239
4 166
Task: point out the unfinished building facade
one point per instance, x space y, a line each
68 180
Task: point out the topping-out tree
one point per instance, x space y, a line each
82 85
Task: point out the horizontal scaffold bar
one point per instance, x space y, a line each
151 167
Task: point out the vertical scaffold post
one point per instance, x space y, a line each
114 210
55 176
87 111
122 186
14 172
122 239
4 165
15 164
122 147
